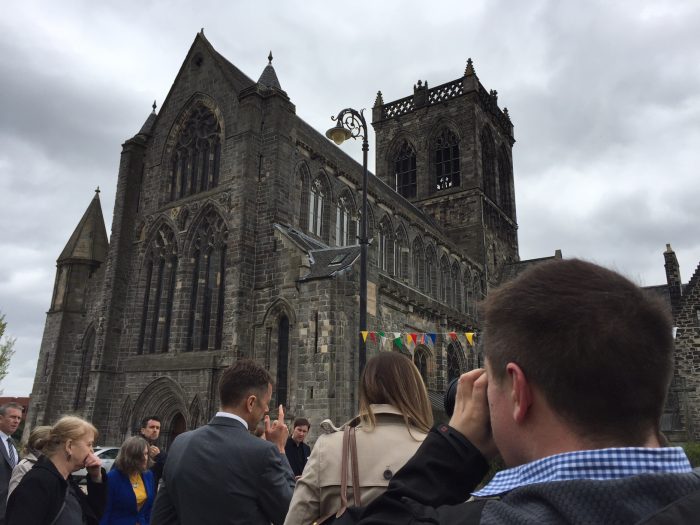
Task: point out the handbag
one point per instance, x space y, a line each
349 448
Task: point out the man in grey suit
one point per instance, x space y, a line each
10 417
220 473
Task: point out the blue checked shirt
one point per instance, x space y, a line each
607 463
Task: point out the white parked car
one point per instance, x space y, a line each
106 454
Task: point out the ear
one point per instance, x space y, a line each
521 392
250 402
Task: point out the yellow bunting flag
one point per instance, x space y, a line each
364 335
470 338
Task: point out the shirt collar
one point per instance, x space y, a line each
232 416
601 464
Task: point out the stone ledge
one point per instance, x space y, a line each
163 362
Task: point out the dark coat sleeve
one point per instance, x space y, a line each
30 502
276 486
94 503
443 471
164 512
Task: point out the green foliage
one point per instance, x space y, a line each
6 348
692 450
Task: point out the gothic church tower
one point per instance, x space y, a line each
448 150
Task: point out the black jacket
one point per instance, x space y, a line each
158 462
297 455
433 486
42 491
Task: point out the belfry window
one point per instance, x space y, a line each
197 157
446 155
405 171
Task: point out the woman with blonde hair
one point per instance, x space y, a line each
132 487
30 454
394 418
47 494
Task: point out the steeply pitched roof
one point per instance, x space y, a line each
148 125
269 77
89 240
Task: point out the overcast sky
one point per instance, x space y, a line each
604 97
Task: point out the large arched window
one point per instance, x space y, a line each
456 287
206 314
431 274
420 359
401 257
159 290
385 245
488 163
418 264
405 170
446 158
195 163
453 365
504 178
345 221
318 202
305 187
445 285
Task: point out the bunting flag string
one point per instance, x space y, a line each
409 340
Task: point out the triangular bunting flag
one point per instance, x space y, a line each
453 336
397 341
470 338
364 335
373 337
431 337
414 337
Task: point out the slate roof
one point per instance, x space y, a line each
326 263
89 240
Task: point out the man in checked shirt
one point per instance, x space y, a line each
578 363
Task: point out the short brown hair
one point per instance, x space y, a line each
130 457
598 346
241 380
68 427
301 422
392 378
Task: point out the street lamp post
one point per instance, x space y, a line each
351 124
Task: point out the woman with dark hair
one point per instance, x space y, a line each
47 494
31 451
394 418
132 488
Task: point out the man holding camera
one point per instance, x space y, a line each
578 362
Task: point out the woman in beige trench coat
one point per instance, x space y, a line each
394 419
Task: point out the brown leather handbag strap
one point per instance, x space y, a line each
355 469
344 471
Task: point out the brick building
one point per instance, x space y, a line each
235 235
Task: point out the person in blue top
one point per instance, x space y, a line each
131 486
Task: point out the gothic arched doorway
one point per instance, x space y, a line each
177 426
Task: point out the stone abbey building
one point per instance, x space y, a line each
234 236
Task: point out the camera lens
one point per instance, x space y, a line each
448 400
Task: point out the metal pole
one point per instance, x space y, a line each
363 257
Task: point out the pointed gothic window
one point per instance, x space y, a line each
446 155
206 314
456 287
197 156
385 255
405 170
445 285
345 223
488 163
504 177
282 361
453 368
420 359
160 270
418 264
305 179
401 256
317 205
431 280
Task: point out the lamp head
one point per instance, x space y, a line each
338 134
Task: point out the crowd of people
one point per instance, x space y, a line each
578 361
